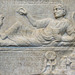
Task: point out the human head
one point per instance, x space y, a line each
59 11
50 55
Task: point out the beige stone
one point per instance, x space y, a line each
37 37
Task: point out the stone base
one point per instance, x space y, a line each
27 61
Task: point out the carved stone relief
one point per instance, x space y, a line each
50 63
52 32
37 37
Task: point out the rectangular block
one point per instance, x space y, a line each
37 37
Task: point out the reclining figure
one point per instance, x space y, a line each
52 32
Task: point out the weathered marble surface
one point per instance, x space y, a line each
54 31
28 61
18 54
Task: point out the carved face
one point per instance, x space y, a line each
59 11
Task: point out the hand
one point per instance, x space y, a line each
22 11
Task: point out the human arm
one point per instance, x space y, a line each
36 23
70 37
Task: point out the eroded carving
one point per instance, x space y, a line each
64 67
52 32
1 20
49 33
72 56
65 62
50 62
